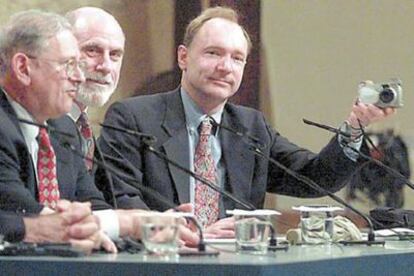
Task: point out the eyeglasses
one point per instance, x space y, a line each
69 66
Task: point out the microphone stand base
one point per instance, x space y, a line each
279 247
195 252
368 243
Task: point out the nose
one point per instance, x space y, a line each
77 75
225 64
105 65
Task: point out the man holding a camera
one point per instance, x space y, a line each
212 59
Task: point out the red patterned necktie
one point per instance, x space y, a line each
206 199
88 146
46 171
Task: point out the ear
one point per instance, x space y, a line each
182 55
20 66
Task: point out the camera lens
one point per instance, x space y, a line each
386 95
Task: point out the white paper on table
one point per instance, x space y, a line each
317 208
219 241
391 232
257 212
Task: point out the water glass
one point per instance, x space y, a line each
252 234
159 233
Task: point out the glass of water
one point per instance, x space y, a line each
159 233
253 230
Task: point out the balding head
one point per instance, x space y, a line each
101 42
86 18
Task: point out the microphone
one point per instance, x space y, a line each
392 171
247 205
315 186
243 133
149 138
54 130
152 192
201 245
148 146
328 128
108 175
47 127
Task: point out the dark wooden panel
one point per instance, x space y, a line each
249 12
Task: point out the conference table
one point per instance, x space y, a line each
394 258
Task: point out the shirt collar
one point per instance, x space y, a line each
75 112
193 114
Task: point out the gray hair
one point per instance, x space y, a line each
28 32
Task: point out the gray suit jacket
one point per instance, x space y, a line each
248 176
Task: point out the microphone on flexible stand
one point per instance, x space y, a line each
392 171
249 206
148 140
201 245
108 175
147 137
240 133
49 128
148 145
328 128
132 244
256 150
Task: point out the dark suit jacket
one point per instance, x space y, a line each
18 185
248 176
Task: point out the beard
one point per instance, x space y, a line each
93 94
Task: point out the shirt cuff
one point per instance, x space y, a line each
109 222
351 144
351 149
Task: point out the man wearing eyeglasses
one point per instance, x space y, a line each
40 77
212 59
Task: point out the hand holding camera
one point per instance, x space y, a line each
375 103
382 95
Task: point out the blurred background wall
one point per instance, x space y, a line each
312 56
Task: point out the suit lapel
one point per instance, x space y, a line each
238 160
8 109
31 182
176 147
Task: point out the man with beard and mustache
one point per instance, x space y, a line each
212 59
101 42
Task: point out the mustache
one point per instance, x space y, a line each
99 77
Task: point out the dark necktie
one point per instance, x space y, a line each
206 199
88 145
46 171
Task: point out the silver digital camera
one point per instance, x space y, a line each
383 95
